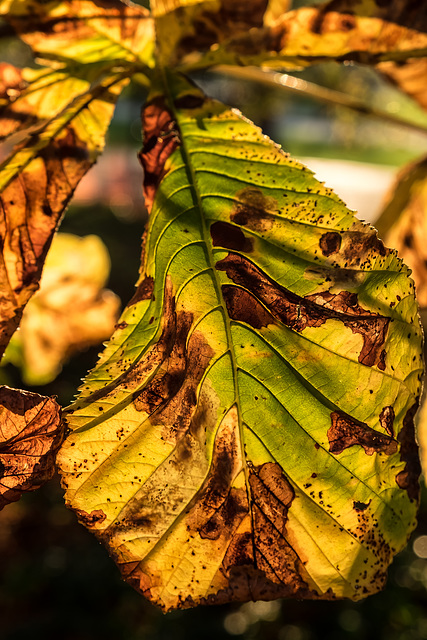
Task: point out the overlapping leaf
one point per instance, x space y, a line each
82 31
53 122
403 222
248 432
37 180
30 435
251 33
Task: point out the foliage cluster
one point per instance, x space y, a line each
248 431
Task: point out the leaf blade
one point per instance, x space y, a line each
215 428
82 31
39 176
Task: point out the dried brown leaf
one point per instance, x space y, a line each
30 435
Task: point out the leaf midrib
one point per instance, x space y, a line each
190 170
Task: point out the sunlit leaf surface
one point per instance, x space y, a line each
403 222
71 312
30 434
82 31
248 432
256 33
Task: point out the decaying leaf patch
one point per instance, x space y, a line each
30 435
267 321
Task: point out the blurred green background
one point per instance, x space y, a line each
56 581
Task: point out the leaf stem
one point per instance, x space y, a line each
309 89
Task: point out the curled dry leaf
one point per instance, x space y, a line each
248 431
236 32
71 312
30 435
403 222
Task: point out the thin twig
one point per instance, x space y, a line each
311 90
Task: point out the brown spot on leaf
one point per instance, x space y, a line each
408 479
346 431
144 290
240 552
371 536
311 311
229 236
244 307
170 376
161 138
330 243
272 496
387 420
227 516
185 368
90 519
189 101
251 210
361 246
381 360
220 508
360 506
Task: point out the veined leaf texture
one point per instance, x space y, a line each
248 431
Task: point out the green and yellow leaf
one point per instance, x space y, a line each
200 34
248 431
71 311
403 222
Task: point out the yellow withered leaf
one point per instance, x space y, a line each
70 312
